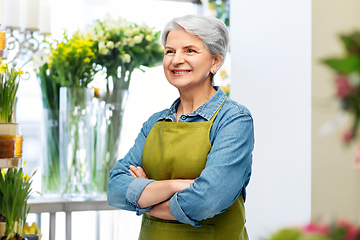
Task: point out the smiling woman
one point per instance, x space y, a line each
189 167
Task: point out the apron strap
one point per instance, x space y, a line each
217 111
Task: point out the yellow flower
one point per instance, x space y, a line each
3 172
224 75
3 68
87 60
33 229
226 89
26 177
211 7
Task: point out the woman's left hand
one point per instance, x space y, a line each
137 172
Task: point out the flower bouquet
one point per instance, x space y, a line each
15 188
347 82
340 230
72 60
121 46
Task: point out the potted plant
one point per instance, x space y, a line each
15 188
9 83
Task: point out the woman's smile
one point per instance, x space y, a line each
180 72
187 63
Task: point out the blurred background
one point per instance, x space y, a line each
303 168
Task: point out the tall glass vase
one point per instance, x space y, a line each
108 133
76 142
50 184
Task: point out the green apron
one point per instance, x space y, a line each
178 150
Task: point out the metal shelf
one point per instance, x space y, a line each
4 53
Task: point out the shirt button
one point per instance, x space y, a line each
183 117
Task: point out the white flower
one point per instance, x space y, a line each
138 38
126 58
130 42
118 44
124 42
128 32
110 45
102 48
40 58
135 31
149 38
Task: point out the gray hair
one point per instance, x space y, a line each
211 31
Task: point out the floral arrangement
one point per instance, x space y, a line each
9 84
340 230
15 188
121 47
73 59
222 10
347 81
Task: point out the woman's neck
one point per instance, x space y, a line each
190 101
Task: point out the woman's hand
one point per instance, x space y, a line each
137 172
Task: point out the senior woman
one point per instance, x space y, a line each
190 164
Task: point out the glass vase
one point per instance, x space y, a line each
76 142
108 132
50 174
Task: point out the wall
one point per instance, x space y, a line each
271 52
335 185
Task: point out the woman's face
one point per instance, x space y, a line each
187 63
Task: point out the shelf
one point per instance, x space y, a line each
10 162
4 53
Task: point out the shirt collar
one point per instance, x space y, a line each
207 110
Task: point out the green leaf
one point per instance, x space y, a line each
344 65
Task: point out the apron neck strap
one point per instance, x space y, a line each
217 111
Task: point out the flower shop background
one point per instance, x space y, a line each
302 171
335 181
149 92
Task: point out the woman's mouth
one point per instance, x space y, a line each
180 71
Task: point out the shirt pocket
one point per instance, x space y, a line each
162 230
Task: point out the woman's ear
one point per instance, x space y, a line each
217 60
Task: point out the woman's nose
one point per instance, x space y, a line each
178 58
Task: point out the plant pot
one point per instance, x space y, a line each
31 236
11 146
2 229
9 128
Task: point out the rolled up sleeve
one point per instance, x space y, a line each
133 193
178 213
124 190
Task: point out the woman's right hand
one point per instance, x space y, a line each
137 172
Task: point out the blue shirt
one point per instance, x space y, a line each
227 170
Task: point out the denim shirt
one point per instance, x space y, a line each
227 170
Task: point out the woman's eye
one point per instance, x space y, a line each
169 51
191 51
